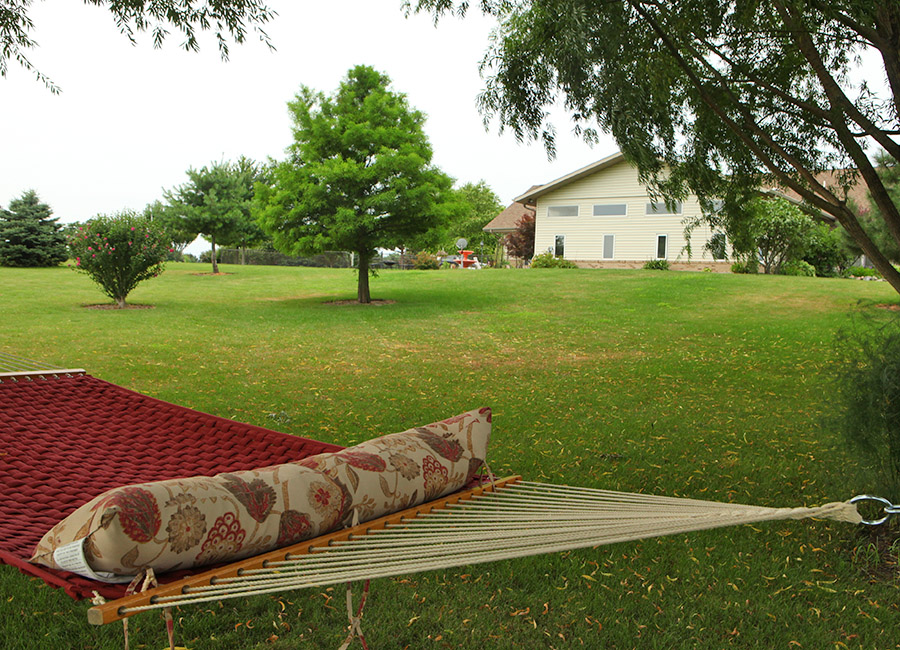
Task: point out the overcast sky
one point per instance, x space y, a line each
131 120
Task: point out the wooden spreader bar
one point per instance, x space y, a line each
116 610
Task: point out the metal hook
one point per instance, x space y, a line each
889 508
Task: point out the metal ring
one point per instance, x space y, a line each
889 508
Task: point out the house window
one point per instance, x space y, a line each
559 248
662 242
718 246
662 208
609 246
562 211
610 210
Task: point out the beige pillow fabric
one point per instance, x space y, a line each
181 523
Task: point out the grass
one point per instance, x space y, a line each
690 384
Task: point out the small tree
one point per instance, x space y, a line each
520 242
28 234
778 230
358 177
216 202
120 251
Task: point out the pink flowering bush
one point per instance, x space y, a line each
119 252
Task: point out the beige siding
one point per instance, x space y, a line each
635 233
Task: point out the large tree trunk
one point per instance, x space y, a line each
214 262
362 286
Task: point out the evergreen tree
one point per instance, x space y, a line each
28 234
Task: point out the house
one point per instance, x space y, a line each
601 216
507 221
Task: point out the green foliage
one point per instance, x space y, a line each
28 235
871 216
778 229
548 260
120 251
424 261
869 386
798 268
747 265
826 250
216 202
656 265
708 97
358 177
228 19
863 272
476 205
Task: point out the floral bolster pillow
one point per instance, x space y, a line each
180 523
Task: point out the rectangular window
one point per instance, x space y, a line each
609 246
661 246
661 208
610 210
718 246
562 211
560 247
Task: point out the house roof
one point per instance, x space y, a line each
508 220
540 190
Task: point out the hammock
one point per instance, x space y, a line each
66 437
55 424
506 519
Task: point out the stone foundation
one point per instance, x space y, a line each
716 267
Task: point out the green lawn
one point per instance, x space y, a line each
689 384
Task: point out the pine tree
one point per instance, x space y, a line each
28 234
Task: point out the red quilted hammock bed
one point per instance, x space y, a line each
66 439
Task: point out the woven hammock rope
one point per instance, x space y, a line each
516 520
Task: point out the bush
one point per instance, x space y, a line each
869 385
824 247
656 265
745 266
798 267
425 262
549 261
119 252
863 272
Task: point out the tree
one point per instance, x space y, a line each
358 176
28 234
120 251
479 205
778 230
216 203
228 19
710 96
171 221
520 242
873 222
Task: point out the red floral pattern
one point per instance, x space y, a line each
293 527
362 460
451 449
257 497
224 541
185 529
138 513
436 477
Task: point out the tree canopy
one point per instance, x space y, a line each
713 97
29 236
358 175
229 20
216 203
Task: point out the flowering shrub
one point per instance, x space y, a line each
119 252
